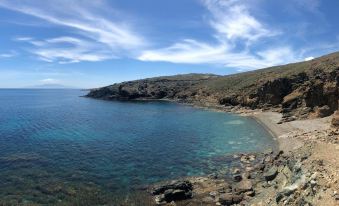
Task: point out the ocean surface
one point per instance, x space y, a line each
55 145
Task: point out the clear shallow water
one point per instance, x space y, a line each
54 143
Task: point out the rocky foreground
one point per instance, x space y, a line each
306 173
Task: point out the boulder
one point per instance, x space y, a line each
244 186
208 200
230 199
237 177
271 173
335 120
176 190
174 195
175 185
323 111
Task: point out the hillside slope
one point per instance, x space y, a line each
299 90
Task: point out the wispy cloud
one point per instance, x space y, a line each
68 50
8 54
87 19
22 38
49 81
232 20
235 30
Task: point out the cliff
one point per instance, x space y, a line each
299 90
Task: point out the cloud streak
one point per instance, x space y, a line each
235 30
49 81
8 54
87 20
67 49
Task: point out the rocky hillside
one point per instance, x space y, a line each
299 90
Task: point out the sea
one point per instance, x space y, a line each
57 146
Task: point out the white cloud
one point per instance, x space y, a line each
49 81
193 52
232 20
69 50
187 51
309 58
233 25
88 19
22 38
8 54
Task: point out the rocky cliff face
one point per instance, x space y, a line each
180 87
300 90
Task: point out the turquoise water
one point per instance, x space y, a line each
54 143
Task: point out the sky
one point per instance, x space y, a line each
88 44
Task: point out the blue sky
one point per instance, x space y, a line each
94 43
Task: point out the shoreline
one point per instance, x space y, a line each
304 143
303 170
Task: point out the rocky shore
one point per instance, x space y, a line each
298 103
303 172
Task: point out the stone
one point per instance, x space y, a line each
207 200
268 159
235 171
182 185
159 199
335 120
251 157
213 193
313 183
237 177
250 193
226 199
174 195
244 186
323 111
230 199
260 166
271 173
279 197
176 190
244 159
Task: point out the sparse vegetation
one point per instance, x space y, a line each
298 89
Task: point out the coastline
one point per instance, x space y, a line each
303 169
300 167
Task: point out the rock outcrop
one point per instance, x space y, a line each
299 91
174 191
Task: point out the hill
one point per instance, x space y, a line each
298 90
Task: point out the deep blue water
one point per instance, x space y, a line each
55 137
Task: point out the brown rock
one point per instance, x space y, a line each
323 111
244 186
335 120
230 199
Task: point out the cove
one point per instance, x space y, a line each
54 143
